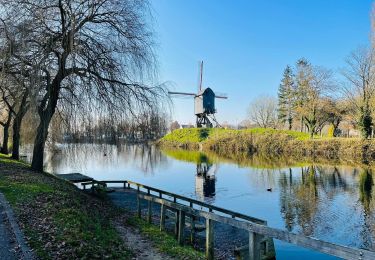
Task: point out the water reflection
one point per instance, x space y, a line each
330 202
316 200
365 187
64 158
205 179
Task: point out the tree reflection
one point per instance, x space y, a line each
78 157
286 200
365 197
300 198
365 189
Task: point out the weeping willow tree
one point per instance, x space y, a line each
15 80
88 53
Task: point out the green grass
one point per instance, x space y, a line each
6 158
187 155
200 135
267 142
57 217
165 242
189 135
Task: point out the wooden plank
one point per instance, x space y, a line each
300 240
296 239
209 239
75 177
181 227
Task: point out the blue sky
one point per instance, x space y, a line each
246 44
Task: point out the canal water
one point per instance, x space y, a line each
330 202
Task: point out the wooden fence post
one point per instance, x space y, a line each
181 227
209 239
176 223
138 205
162 217
192 229
149 212
254 246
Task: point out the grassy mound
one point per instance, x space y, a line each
270 142
194 136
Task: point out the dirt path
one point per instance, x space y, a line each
142 247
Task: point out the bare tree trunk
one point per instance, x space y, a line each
16 138
39 144
6 125
17 122
46 112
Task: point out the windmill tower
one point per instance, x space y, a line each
204 103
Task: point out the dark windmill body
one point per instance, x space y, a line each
204 104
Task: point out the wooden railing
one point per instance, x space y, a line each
178 198
258 230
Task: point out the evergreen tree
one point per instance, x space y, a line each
286 97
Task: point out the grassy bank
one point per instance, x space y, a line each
58 220
62 222
270 142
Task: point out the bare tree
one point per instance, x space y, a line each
314 86
174 125
263 111
8 99
360 86
91 51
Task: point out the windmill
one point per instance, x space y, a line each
204 103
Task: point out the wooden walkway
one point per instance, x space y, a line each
75 177
260 244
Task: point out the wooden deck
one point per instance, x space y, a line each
260 244
75 177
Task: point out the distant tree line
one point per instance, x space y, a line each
310 98
64 58
146 126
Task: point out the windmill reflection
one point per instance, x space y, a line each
205 179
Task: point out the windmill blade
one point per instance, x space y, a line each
221 95
181 94
200 76
178 96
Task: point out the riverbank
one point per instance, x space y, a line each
271 142
60 221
